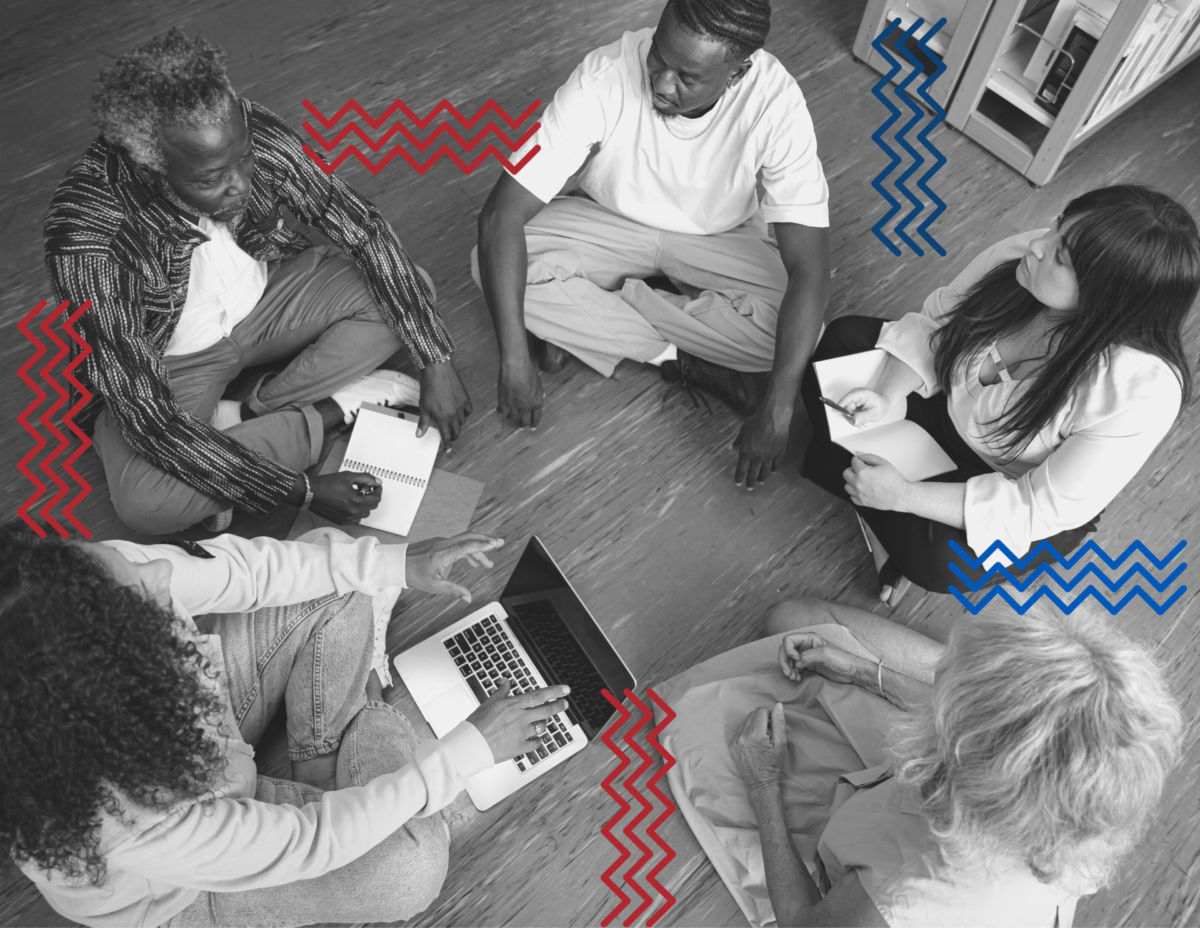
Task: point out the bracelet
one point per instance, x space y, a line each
308 494
879 678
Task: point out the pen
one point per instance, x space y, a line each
842 409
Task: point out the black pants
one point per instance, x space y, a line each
919 547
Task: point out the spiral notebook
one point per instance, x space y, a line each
385 444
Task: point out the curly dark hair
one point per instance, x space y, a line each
99 699
169 80
741 25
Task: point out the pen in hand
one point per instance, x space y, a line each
848 413
364 488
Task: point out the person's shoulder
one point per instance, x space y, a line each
268 127
616 60
1135 376
773 84
773 96
84 210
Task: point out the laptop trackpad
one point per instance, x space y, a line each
449 709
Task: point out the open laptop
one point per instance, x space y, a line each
539 634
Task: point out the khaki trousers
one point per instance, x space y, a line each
585 291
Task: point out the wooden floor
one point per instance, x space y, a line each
635 496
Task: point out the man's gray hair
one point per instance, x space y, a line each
1048 739
169 80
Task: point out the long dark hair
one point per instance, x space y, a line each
98 696
1136 254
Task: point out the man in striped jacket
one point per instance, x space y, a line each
172 225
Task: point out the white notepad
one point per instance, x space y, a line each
907 446
385 444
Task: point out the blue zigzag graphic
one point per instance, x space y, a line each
901 138
923 136
918 160
1090 547
877 137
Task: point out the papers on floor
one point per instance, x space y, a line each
907 446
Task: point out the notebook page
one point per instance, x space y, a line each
388 447
905 445
838 376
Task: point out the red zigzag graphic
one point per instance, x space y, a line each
631 785
421 123
669 807
69 419
23 418
46 419
622 763
646 807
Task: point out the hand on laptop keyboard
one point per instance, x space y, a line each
514 724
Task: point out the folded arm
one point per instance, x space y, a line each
903 649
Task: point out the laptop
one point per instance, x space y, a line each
538 634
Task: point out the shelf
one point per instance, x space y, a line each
1009 81
999 141
1091 128
909 11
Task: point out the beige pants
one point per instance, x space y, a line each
585 291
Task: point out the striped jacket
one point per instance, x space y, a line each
110 238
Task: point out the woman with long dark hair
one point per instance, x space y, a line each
1048 370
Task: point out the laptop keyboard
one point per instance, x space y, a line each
485 653
560 650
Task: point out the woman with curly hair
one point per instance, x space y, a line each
128 788
1048 370
897 781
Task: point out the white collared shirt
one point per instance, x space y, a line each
1081 459
224 286
160 861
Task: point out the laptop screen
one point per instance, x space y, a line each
541 604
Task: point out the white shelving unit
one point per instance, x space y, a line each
994 103
952 43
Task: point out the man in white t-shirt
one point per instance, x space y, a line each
666 135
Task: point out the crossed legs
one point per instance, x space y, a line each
315 304
315 658
585 291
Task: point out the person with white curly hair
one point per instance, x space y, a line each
172 226
850 771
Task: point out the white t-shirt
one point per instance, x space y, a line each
643 171
224 286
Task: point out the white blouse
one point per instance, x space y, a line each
1080 460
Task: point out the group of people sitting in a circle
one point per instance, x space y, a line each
844 770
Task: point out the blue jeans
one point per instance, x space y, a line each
314 657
